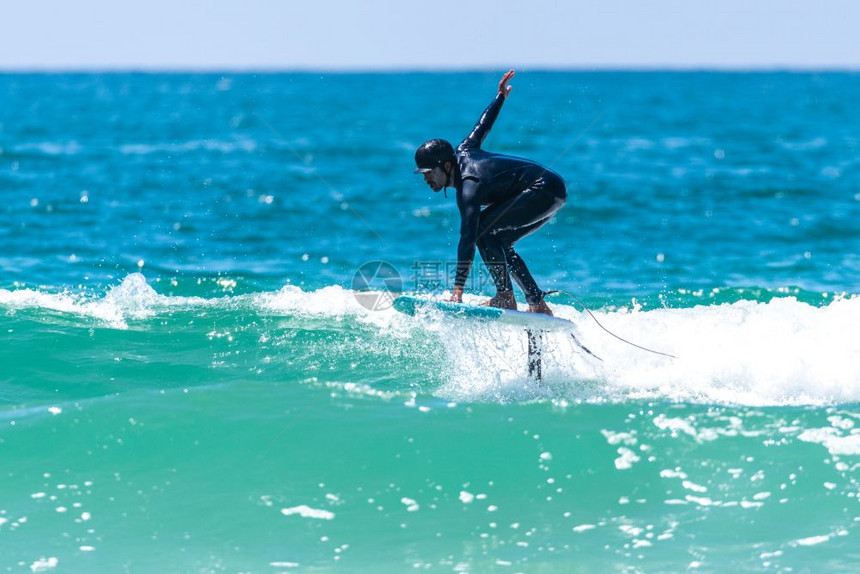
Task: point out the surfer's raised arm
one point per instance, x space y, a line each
488 118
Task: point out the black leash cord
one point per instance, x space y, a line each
587 310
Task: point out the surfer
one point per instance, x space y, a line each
518 197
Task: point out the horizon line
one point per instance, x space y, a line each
540 68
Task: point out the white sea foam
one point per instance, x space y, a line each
812 540
753 353
833 440
466 497
62 302
675 425
44 564
627 459
330 301
336 303
690 485
133 298
783 352
677 473
307 512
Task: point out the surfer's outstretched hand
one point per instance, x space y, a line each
505 89
456 296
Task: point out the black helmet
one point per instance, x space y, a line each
433 153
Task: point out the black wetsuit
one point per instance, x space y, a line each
520 196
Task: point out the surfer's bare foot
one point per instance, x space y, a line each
502 301
541 307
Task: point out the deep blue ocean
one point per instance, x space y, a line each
192 379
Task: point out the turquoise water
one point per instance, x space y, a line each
191 383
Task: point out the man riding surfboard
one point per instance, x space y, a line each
517 195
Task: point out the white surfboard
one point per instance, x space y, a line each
411 305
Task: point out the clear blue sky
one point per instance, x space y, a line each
404 34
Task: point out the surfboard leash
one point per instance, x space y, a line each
622 339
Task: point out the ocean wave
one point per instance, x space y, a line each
46 148
781 351
132 299
239 145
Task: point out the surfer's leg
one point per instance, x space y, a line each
520 273
504 224
493 254
510 264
